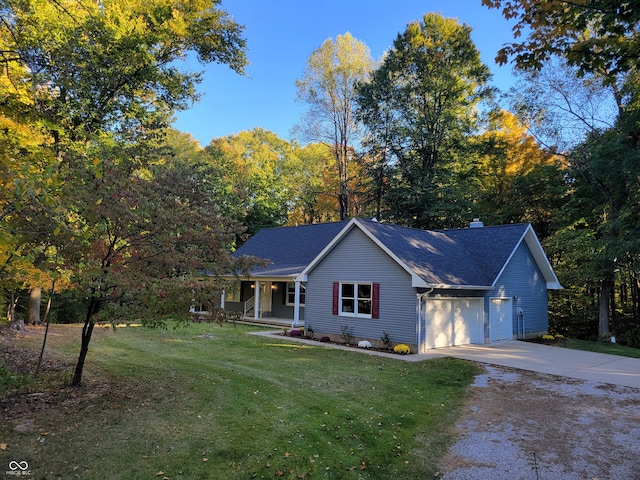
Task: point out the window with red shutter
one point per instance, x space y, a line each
356 299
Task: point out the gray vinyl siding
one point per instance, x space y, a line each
522 281
357 259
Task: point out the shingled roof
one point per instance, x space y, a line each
457 258
289 249
469 257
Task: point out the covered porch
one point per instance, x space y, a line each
277 301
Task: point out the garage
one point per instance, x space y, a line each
454 321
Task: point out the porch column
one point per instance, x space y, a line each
296 305
222 299
256 301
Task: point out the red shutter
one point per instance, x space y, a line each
336 293
375 301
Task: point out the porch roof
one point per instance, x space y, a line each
288 249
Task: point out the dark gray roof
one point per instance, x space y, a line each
470 257
289 249
467 257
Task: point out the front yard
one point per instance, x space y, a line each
214 402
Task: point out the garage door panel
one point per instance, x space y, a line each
439 328
457 321
468 322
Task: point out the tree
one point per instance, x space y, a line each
601 39
98 80
315 201
597 36
560 107
597 237
517 180
328 87
419 107
257 173
145 232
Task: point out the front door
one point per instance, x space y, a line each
265 299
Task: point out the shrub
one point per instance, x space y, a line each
346 332
558 336
295 333
387 340
364 344
548 337
402 349
325 339
308 332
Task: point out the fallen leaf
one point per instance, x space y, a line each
160 473
3 446
205 459
287 455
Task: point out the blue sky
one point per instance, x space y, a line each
281 34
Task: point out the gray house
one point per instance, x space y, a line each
427 289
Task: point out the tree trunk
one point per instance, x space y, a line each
14 323
33 310
46 330
87 330
604 297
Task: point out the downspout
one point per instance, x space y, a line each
419 298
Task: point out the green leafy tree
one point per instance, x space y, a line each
257 173
596 36
419 108
328 88
99 79
316 200
600 39
142 232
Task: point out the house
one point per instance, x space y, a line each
427 289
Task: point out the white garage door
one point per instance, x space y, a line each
454 321
500 319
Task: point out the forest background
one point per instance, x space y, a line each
113 214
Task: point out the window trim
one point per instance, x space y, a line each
303 293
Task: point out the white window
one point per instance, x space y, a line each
356 299
291 294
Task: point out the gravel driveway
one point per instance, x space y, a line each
526 425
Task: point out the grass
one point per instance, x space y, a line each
177 404
601 347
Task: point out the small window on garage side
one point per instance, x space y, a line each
291 294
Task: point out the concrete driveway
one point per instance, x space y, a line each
535 357
597 367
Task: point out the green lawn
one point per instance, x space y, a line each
601 347
175 404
